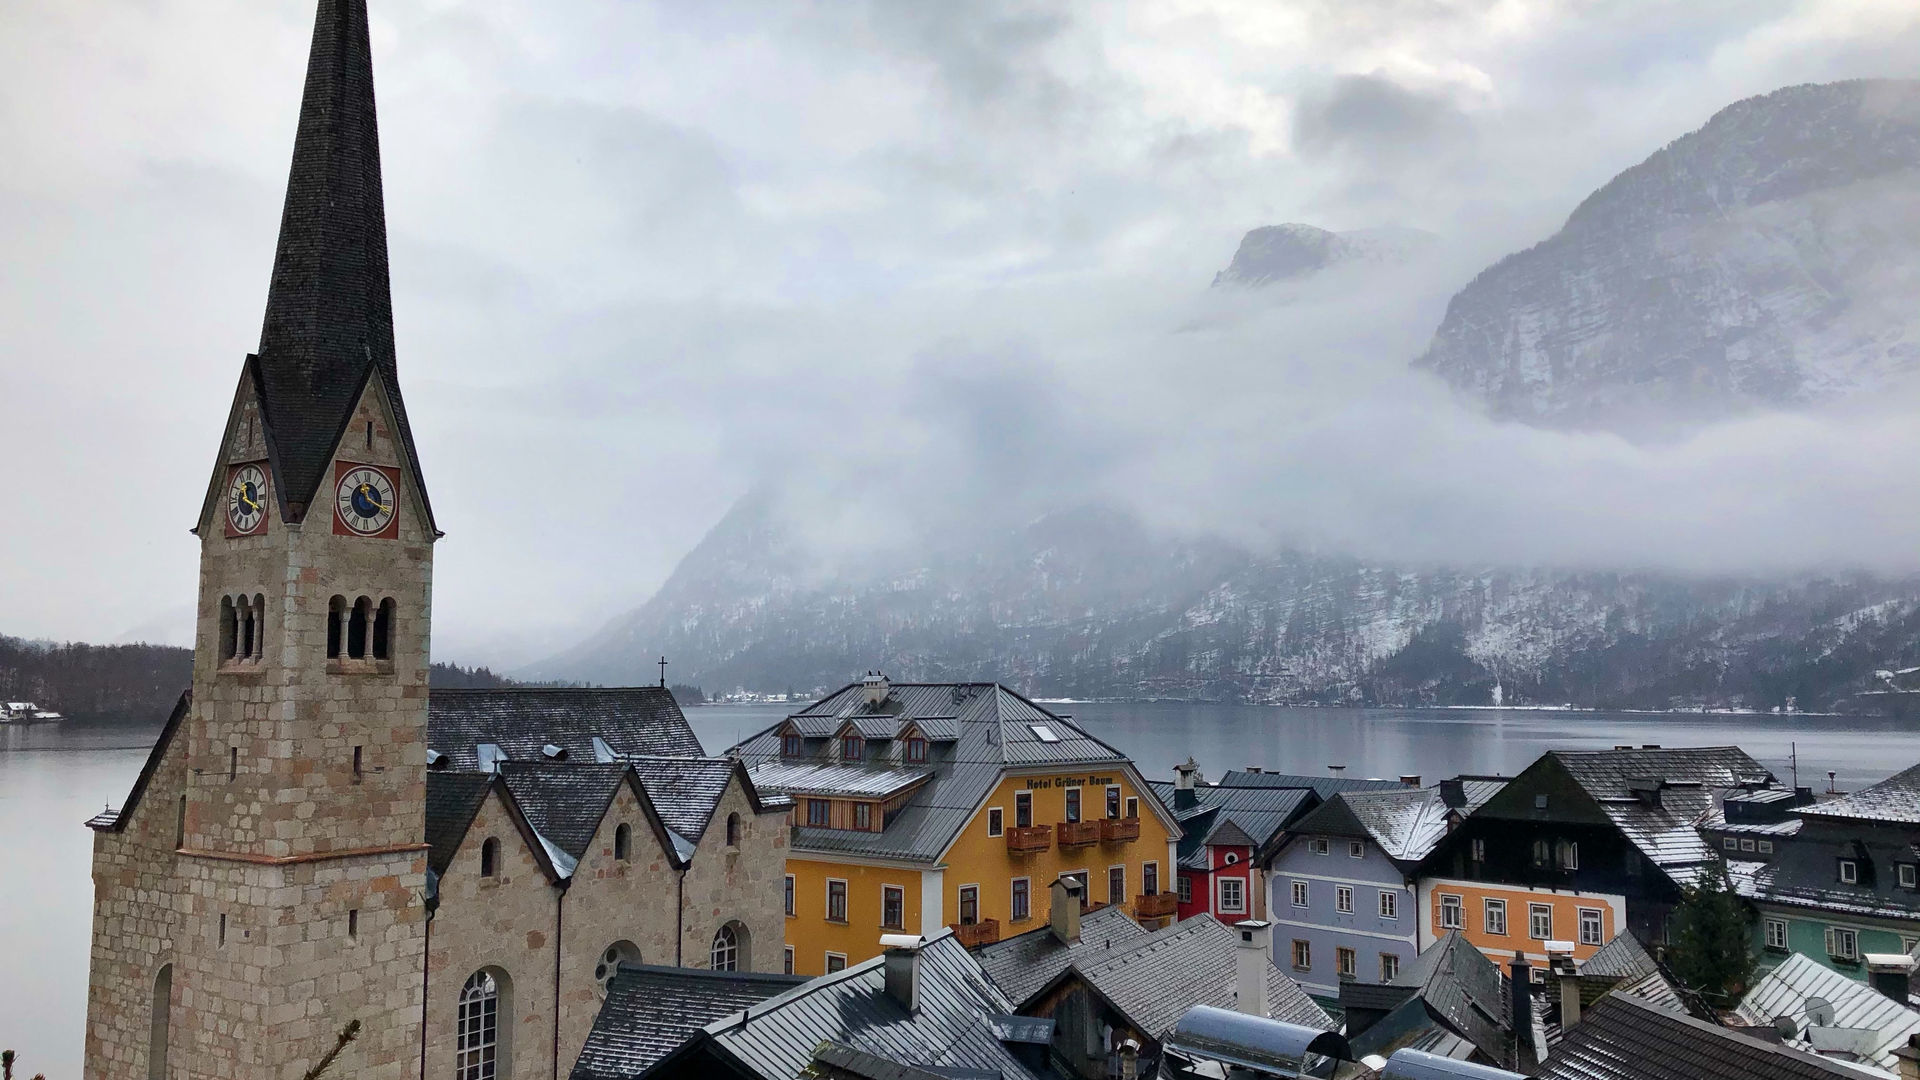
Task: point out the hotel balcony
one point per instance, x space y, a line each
1029 839
1079 833
1119 830
1155 906
973 935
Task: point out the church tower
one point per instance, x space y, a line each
262 889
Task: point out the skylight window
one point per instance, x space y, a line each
1043 733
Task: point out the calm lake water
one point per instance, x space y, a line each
54 778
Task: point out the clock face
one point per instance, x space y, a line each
247 500
365 500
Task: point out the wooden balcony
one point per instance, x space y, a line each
1027 840
1155 906
1119 830
1079 833
973 935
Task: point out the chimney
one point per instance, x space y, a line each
1063 913
1567 974
1909 1056
1410 779
902 969
1185 775
1129 1059
1453 794
1522 996
876 687
1891 974
1251 958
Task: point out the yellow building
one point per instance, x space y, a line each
924 805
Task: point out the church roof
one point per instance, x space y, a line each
651 1010
582 723
328 330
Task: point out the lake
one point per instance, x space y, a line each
52 778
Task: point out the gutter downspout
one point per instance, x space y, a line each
426 972
559 928
680 920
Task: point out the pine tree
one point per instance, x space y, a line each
1711 948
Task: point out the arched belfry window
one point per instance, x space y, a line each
157 1034
259 626
336 626
244 642
730 948
229 628
482 1043
357 621
383 630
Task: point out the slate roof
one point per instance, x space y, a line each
1893 800
452 801
1882 1022
563 802
951 1029
685 791
651 1010
1405 824
1155 979
1326 787
993 731
1025 963
1624 1038
639 720
328 329
1692 783
1623 957
1462 989
1803 871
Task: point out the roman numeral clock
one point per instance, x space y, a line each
366 501
246 500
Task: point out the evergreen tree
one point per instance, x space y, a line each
1712 942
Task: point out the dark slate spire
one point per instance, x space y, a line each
329 324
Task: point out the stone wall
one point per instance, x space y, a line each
745 884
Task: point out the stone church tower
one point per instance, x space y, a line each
263 885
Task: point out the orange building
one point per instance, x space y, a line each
1501 920
924 805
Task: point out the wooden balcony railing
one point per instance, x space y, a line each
1155 905
1119 830
1025 840
973 935
1079 833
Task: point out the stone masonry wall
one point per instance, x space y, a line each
747 884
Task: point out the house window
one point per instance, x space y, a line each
1451 915
1343 899
893 907
1356 849
1540 921
1022 899
1730 844
1746 844
1150 878
916 750
1389 967
1344 962
836 900
1023 809
1909 875
1765 846
1843 944
819 812
1116 885
1299 894
1494 918
1320 845
1233 895
1478 849
791 745
1113 802
853 748
1389 904
969 905
996 822
863 815
1133 806
787 962
1567 854
1540 852
1302 955
1073 804
1232 858
1184 886
836 962
1849 872
1777 935
1592 924
790 910
476 1052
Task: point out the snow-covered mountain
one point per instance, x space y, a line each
1769 259
1274 253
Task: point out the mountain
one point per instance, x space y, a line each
1090 603
1769 259
1274 253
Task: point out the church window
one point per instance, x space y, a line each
180 824
620 952
477 1029
623 842
233 762
353 923
244 639
162 1015
336 626
733 830
260 626
490 857
729 947
357 629
383 630
229 628
369 434
223 929
356 764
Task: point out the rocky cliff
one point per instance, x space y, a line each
1274 253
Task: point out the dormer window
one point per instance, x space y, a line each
853 747
916 750
791 745
1849 872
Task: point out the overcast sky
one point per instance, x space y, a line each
646 255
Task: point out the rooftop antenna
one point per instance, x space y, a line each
663 671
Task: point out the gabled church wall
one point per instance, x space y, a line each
747 883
